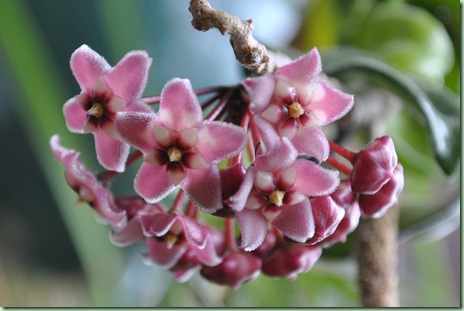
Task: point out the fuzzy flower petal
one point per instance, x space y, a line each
253 227
86 185
129 77
87 65
296 221
202 188
152 183
314 180
220 140
111 153
303 70
179 106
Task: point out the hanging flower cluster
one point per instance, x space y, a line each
253 154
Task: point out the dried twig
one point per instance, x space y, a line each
248 51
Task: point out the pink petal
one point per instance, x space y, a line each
287 178
129 234
255 201
303 69
163 256
238 200
152 183
220 140
179 108
274 113
176 174
296 221
137 129
314 180
288 128
204 188
87 65
195 161
195 234
267 130
129 77
311 141
188 138
280 156
75 115
116 104
253 227
111 153
264 181
158 224
163 136
260 90
207 255
329 104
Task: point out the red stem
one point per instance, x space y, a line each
347 154
229 224
339 165
177 205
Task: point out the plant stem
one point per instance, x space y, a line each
376 246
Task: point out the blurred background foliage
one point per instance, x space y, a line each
401 59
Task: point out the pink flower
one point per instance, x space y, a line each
180 149
104 92
275 190
294 103
377 204
373 166
87 186
170 236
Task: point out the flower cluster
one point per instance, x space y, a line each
254 154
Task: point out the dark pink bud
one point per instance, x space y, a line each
291 260
343 195
235 269
377 204
348 224
327 215
373 166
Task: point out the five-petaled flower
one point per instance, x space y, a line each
106 91
294 103
276 189
180 148
87 186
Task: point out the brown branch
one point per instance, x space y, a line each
248 51
377 260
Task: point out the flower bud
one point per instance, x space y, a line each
327 215
377 204
235 269
290 260
373 166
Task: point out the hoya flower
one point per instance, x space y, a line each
275 191
87 186
373 166
170 236
105 91
295 103
180 149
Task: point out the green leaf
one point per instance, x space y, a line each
439 107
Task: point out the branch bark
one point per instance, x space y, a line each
248 51
377 260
